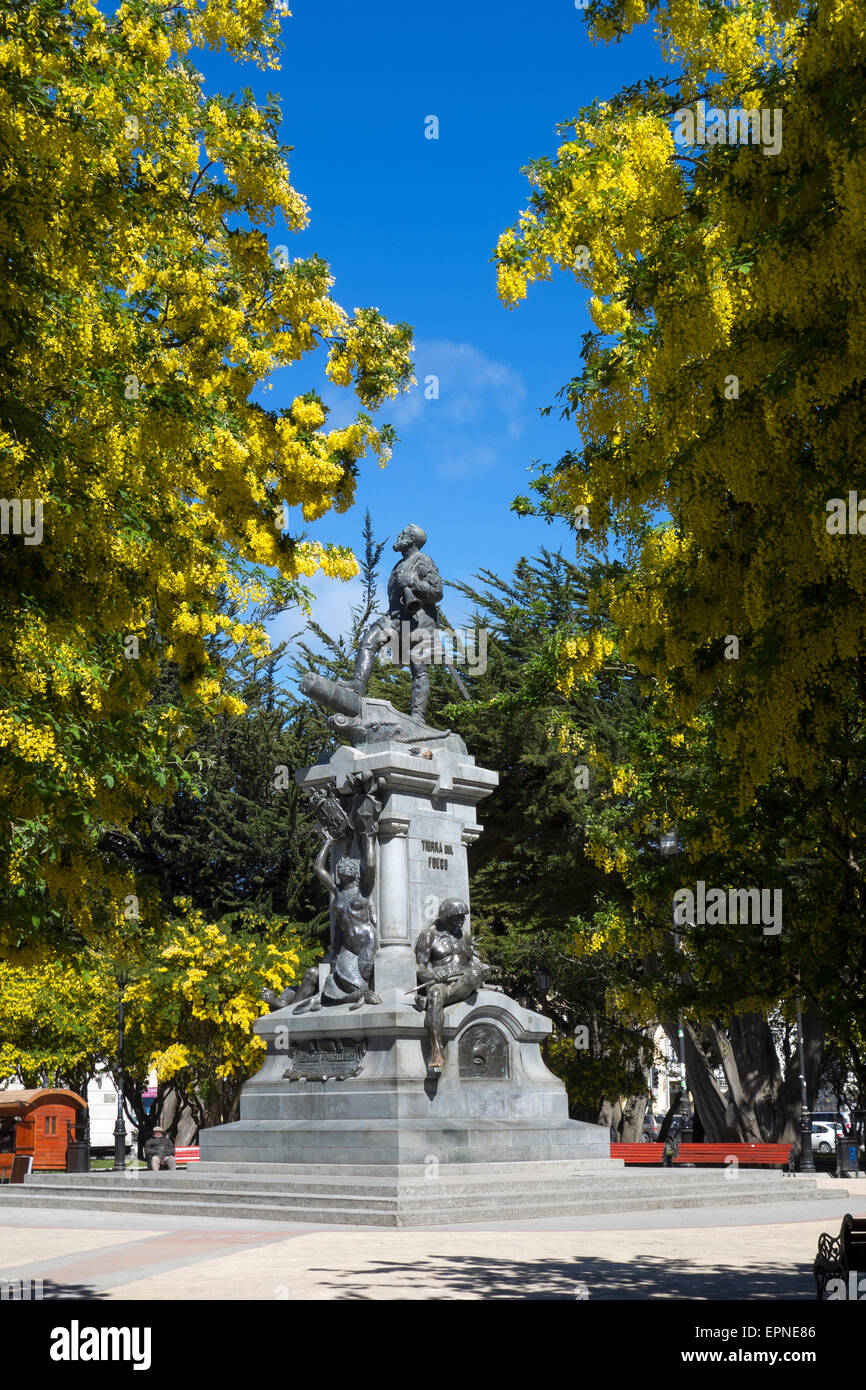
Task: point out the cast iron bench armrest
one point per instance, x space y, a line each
839 1255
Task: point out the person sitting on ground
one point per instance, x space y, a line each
159 1151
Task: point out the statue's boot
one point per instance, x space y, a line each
420 693
364 663
367 998
308 1006
378 634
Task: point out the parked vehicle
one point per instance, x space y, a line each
650 1130
102 1107
838 1118
824 1136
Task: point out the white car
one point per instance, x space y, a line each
823 1137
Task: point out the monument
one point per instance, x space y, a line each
398 1055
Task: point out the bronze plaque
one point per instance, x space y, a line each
331 1058
482 1054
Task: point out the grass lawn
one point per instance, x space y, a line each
100 1164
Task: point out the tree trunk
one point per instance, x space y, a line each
669 1117
703 1085
627 1117
761 1105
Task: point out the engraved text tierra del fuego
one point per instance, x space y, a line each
435 853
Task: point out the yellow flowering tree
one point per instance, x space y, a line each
147 293
56 1024
191 994
192 1012
716 220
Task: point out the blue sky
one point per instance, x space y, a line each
408 225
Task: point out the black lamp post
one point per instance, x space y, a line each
685 1115
682 1120
807 1158
119 1124
542 979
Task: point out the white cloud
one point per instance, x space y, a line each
332 610
478 415
473 388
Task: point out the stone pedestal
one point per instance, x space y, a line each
427 822
495 1101
350 1087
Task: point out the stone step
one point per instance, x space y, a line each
373 1202
182 1187
466 1197
156 1206
313 1209
567 1167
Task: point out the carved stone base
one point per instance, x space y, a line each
494 1101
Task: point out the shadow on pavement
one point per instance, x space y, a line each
55 1291
649 1277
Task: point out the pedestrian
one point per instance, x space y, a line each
159 1151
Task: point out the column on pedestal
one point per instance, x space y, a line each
394 966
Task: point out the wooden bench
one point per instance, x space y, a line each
186 1154
638 1153
714 1155
841 1256
15 1167
747 1155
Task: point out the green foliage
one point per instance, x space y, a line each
537 897
239 836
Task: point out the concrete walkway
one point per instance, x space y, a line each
763 1252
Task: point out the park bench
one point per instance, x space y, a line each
15 1167
186 1154
747 1155
638 1153
841 1257
714 1155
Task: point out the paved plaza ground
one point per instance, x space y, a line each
760 1252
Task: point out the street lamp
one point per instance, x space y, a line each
119 1124
682 1120
542 979
807 1158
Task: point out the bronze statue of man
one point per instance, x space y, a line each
414 589
449 966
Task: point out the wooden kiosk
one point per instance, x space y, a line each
35 1122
